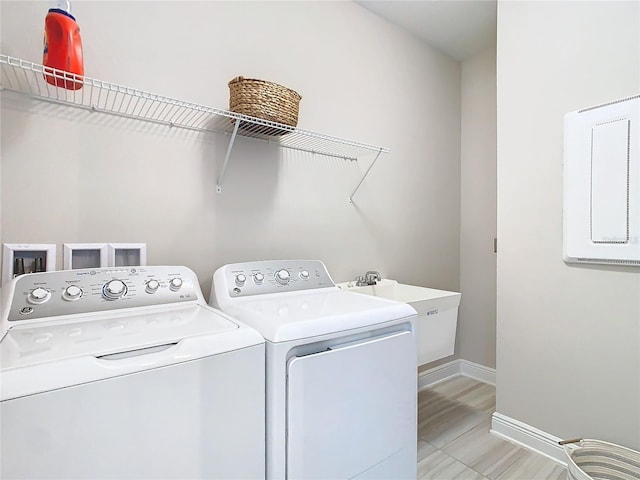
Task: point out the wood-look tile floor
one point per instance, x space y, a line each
454 442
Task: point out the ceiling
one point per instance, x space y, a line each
459 28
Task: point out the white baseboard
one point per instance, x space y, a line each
505 427
438 374
477 371
453 369
528 437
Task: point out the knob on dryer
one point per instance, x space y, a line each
241 278
282 277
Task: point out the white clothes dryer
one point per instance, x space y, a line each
127 373
341 371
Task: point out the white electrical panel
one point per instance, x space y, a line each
602 184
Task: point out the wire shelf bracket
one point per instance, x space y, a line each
28 79
364 176
226 157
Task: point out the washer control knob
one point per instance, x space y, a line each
258 278
39 295
114 289
240 279
282 277
304 275
175 284
72 293
152 286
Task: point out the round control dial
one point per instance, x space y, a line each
240 279
304 275
152 286
175 284
72 293
114 289
282 277
39 295
258 278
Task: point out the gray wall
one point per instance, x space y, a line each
476 333
70 176
477 314
568 337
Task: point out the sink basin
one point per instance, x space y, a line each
437 318
422 297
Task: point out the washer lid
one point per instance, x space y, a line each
97 335
281 317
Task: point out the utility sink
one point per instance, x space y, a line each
437 314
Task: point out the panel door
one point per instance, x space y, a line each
351 411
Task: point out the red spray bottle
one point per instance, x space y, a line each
62 47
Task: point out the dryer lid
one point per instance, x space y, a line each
312 313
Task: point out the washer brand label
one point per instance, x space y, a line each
433 312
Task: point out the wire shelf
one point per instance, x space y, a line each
27 78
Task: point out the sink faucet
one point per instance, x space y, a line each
360 281
371 277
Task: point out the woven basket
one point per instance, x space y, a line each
265 100
598 460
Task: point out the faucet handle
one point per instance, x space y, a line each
360 281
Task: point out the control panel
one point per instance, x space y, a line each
271 276
67 292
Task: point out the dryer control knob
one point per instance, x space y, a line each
39 295
175 284
240 279
282 277
304 275
152 286
71 293
114 289
258 278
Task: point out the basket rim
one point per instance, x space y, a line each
570 448
575 470
240 79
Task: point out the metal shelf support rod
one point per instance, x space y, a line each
226 158
364 176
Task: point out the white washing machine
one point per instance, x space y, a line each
127 373
341 371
